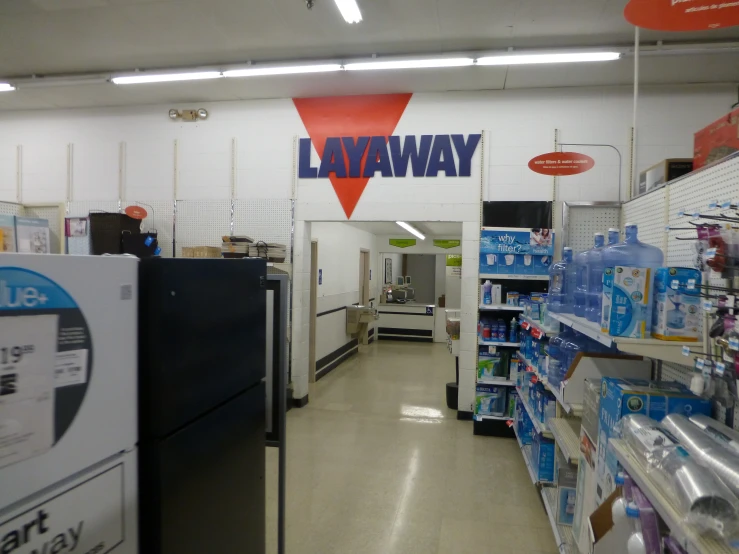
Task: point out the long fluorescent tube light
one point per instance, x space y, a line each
572 57
283 70
409 64
412 230
6 87
349 10
166 77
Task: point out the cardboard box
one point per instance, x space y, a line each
585 491
605 537
626 301
677 314
663 172
717 140
620 397
7 229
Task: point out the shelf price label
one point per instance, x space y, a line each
720 368
525 325
707 305
700 363
686 351
536 333
534 379
509 423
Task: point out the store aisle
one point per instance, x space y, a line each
378 465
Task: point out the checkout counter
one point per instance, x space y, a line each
405 319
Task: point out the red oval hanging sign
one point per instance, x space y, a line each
560 164
136 212
682 15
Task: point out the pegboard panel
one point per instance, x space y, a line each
585 221
55 215
160 217
81 245
268 220
649 212
677 372
202 223
11 208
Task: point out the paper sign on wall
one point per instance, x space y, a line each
454 260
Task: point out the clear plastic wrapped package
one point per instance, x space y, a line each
704 500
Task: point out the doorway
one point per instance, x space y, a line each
313 316
364 277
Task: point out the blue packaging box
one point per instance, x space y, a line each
524 426
621 397
542 458
676 314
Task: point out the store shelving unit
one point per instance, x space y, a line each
689 539
668 351
566 432
562 533
515 277
540 427
481 342
500 308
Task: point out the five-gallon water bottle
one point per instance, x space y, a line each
557 298
570 285
633 253
582 270
595 276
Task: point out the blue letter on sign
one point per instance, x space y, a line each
354 153
378 159
305 171
418 157
442 147
333 159
465 152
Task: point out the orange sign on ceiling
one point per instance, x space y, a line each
682 15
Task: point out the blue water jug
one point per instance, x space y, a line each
582 285
595 276
633 253
558 280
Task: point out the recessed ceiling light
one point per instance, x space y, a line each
409 64
349 10
412 230
564 57
165 77
6 87
282 70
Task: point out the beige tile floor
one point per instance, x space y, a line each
377 464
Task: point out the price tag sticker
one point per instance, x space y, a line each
536 333
681 213
525 326
734 343
707 305
713 205
726 205
691 284
695 215
534 379
707 367
720 368
700 363
710 253
675 284
509 423
686 351
27 359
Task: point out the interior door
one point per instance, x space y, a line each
313 311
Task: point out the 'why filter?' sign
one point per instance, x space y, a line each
86 518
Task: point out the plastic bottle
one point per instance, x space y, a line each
633 253
582 285
513 331
595 277
487 297
558 281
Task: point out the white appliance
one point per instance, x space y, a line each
68 403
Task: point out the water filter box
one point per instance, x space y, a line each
626 299
542 458
676 314
566 494
490 400
496 293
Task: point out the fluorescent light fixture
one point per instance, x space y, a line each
165 77
6 87
571 57
282 70
409 64
412 230
349 10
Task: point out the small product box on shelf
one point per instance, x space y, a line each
511 298
524 426
663 172
488 364
566 494
626 299
542 457
585 497
621 397
677 314
546 406
512 400
716 141
490 400
496 293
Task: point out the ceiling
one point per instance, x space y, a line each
58 37
437 229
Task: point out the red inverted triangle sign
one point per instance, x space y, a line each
373 115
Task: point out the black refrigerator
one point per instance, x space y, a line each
202 406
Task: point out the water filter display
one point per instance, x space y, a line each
507 251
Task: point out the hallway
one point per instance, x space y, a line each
378 465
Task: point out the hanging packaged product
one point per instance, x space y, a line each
677 314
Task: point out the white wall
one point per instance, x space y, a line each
248 147
339 246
